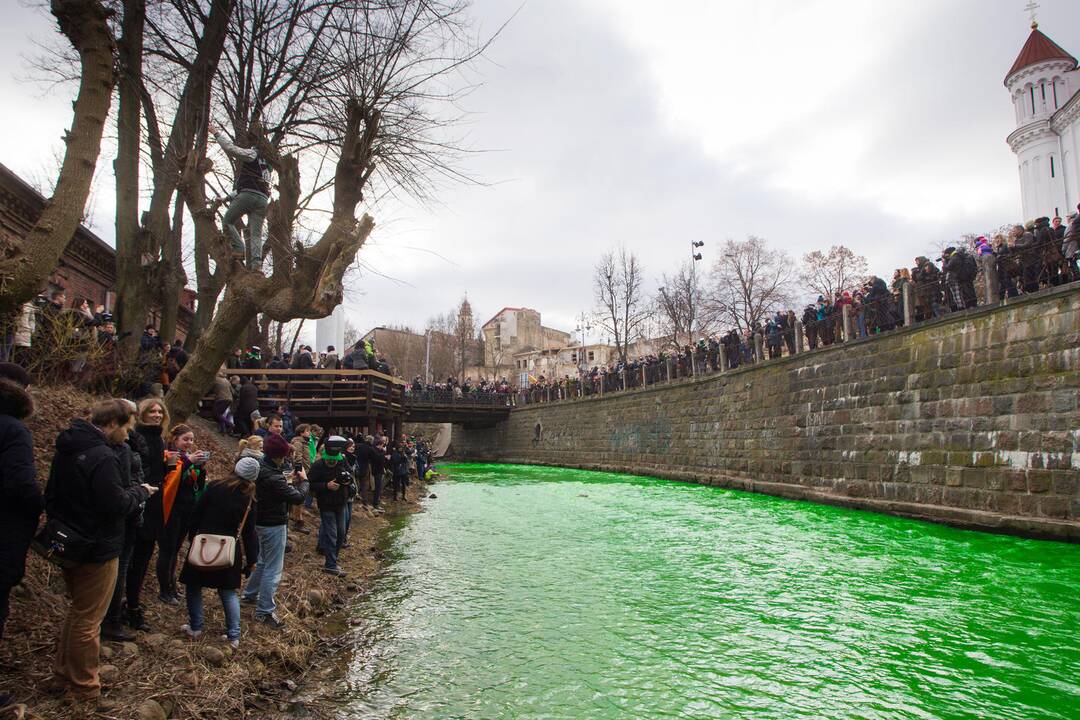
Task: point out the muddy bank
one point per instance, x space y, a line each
162 674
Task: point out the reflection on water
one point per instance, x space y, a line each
528 592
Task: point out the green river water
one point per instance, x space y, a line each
529 592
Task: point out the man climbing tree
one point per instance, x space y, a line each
251 192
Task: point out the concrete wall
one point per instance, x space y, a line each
973 420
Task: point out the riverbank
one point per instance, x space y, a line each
162 675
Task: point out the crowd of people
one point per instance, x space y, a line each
1043 253
127 489
465 390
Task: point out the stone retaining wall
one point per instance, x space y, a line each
971 420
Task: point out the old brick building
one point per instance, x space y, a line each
87 269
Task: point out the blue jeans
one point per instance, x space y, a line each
332 534
230 602
264 581
348 522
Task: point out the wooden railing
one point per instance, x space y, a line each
343 394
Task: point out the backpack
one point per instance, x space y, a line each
968 267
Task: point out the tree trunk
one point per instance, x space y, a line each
85 24
232 317
130 307
173 276
190 119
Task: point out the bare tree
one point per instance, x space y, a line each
621 306
834 271
678 304
748 282
351 335
443 356
375 109
85 24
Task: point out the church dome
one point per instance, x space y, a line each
1037 49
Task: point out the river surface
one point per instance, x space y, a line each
528 592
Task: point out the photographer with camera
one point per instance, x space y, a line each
88 507
330 479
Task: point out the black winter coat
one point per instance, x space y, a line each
399 463
247 400
273 495
130 465
20 497
219 512
319 477
148 443
85 490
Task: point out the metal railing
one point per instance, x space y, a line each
910 303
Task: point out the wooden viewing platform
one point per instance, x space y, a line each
364 399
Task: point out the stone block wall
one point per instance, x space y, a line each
972 420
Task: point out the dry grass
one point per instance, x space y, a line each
163 665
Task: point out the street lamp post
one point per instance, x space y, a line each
695 257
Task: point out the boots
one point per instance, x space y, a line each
111 629
135 619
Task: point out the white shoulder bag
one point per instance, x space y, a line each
215 552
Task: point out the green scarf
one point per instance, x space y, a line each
312 445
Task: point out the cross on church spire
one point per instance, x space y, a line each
1031 7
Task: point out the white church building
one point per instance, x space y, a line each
1045 86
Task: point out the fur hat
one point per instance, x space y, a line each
276 447
247 468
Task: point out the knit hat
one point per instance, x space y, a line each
247 468
275 447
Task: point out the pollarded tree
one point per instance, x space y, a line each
375 111
835 271
85 24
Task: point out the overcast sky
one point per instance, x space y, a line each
880 125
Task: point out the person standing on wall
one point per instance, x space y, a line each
251 196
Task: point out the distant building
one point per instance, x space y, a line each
408 355
555 363
1045 87
516 330
87 269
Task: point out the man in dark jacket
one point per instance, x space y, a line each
85 492
273 496
20 502
330 477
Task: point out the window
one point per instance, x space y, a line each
1031 90
1054 89
1053 173
591 356
1043 86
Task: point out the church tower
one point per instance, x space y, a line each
1045 89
